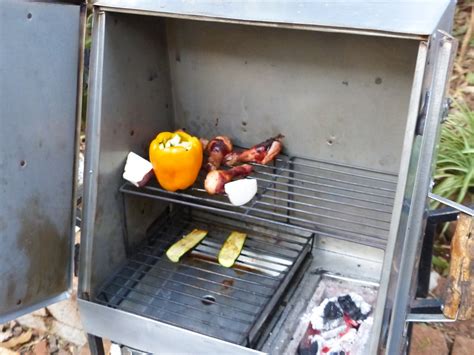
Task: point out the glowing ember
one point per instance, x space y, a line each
338 326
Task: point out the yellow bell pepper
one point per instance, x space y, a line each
176 159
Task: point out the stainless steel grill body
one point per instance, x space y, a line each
358 90
351 103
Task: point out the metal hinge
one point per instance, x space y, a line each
447 105
77 253
420 123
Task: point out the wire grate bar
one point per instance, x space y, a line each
185 284
287 237
303 181
326 178
174 272
242 261
335 202
320 215
318 224
263 211
255 240
294 162
167 310
185 305
148 273
295 240
207 271
294 202
213 261
323 192
378 242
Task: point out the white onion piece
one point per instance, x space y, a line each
137 170
241 191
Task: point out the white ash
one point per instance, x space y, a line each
363 334
317 317
365 308
333 332
337 335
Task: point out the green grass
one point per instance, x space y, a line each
454 175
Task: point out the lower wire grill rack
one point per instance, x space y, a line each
199 294
330 199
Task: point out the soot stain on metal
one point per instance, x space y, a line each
44 247
227 283
11 288
152 76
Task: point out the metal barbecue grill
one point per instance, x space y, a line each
358 90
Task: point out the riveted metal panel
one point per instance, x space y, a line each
39 70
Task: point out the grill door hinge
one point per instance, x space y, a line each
420 123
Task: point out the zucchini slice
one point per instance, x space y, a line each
181 247
231 249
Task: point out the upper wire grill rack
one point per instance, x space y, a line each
327 198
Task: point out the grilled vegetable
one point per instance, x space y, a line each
231 249
241 191
137 170
181 247
176 159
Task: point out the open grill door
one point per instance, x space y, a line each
40 80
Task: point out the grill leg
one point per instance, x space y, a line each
96 345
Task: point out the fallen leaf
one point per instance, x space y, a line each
4 351
21 339
4 336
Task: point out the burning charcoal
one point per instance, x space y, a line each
307 345
350 308
332 311
319 322
365 308
312 349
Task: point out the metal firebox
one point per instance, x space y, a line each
357 88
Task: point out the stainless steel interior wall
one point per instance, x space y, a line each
135 105
340 97
334 96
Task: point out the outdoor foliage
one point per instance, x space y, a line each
454 174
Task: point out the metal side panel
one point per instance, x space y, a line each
387 18
398 284
40 62
148 335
